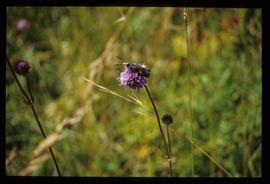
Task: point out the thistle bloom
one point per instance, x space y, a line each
23 24
21 67
131 78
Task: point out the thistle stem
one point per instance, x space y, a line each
44 136
17 81
170 151
29 88
30 102
159 124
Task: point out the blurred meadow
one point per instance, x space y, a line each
95 133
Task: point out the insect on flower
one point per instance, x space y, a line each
133 75
141 69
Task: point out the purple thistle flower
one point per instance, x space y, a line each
23 24
131 78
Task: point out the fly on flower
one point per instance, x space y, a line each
138 68
133 75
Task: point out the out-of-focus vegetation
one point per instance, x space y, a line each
99 134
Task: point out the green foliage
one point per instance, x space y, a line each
118 138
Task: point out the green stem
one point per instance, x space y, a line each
170 151
29 88
158 120
44 136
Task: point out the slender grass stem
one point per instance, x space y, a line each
159 124
170 151
30 102
204 152
211 158
189 90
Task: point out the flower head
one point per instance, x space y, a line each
131 78
23 24
167 119
21 67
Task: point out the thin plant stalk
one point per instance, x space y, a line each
189 91
159 124
170 151
30 102
29 88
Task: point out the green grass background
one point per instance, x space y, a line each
113 137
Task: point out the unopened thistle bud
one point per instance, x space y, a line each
21 67
167 119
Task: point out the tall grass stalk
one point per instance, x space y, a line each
189 90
